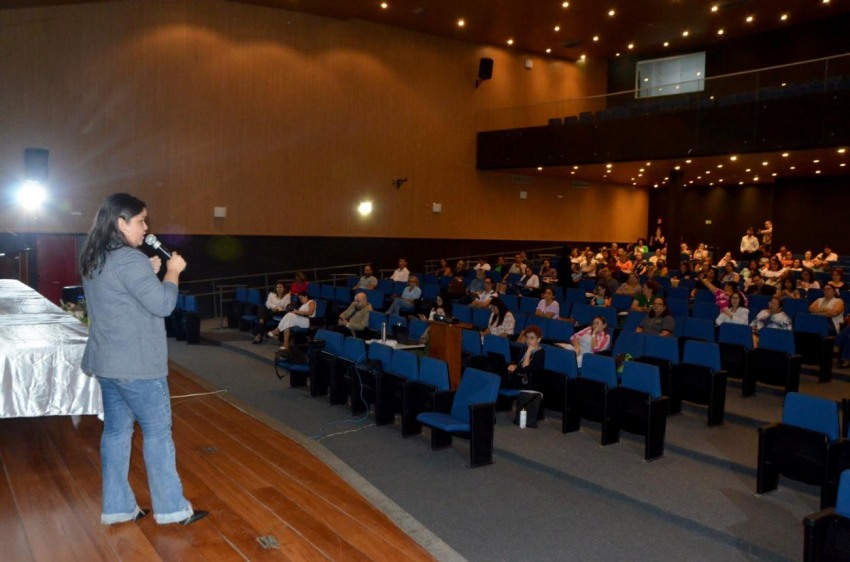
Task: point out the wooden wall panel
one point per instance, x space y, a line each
288 120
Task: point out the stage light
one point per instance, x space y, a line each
365 208
510 41
384 5
784 17
565 5
715 8
611 13
548 50
666 43
31 195
461 23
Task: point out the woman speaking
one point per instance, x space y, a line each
127 353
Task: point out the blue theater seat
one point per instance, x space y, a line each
774 362
700 379
813 342
735 341
588 397
640 408
419 394
827 532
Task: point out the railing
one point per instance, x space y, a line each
221 289
535 253
822 73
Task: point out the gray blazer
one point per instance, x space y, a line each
126 304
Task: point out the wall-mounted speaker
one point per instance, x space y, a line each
35 164
485 71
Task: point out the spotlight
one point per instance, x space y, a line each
365 208
31 195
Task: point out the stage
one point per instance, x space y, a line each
254 481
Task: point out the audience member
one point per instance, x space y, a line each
727 258
296 319
444 270
723 296
644 298
482 264
442 307
631 286
604 278
757 286
807 259
593 339
277 301
367 281
796 265
475 287
528 284
548 306
750 246
548 274
530 362
807 280
831 306
752 267
660 269
736 312
624 264
729 274
401 274
827 254
788 289
773 317
300 284
407 302
641 248
457 288
602 296
460 269
355 318
787 260
483 298
780 255
588 265
658 322
767 234
837 278
640 266
516 268
686 271
500 266
657 241
773 273
502 320
700 253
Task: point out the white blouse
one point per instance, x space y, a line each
740 316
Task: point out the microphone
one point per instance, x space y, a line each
151 240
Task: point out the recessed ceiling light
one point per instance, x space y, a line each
826 1
756 178
842 165
720 165
708 171
740 183
749 170
699 73
641 170
785 155
720 180
842 150
611 13
548 50
575 167
699 177
686 33
687 161
565 5
557 28
783 84
656 185
631 45
715 8
784 17
460 23
609 165
773 174
633 179
816 161
572 173
649 163
817 171
764 163
596 38
640 175
733 158
692 181
666 44
750 19
678 168
720 32
539 168
793 167
583 57
711 183
384 5
646 79
618 54
510 41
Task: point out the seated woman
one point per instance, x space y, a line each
705 281
837 280
593 339
796 265
659 270
624 264
788 289
736 312
548 306
807 280
530 362
727 258
442 307
631 287
500 265
502 321
729 274
808 261
787 260
588 265
659 321
527 285
548 274
700 253
722 297
752 267
685 271
641 247
643 299
407 301
299 285
830 305
602 296
773 272
443 270
296 319
276 302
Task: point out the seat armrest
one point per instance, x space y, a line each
820 518
484 414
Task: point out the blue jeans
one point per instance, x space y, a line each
126 401
398 306
842 343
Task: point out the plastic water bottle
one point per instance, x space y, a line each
522 416
383 332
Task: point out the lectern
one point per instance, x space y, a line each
445 344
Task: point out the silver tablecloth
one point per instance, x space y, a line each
41 349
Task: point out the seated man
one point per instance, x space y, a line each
657 256
755 285
482 264
482 300
604 278
516 267
367 280
355 318
476 286
401 274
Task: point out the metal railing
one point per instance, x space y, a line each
533 254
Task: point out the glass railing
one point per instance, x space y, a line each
777 82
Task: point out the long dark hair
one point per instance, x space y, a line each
502 311
104 236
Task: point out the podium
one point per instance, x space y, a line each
445 343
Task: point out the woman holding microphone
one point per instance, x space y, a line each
127 352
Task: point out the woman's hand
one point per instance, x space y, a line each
156 263
511 368
176 263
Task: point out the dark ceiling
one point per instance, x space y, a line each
646 24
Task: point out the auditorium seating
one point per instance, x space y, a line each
700 379
774 362
735 342
467 413
559 369
589 397
419 394
320 375
341 387
805 446
640 408
813 342
826 535
663 352
404 369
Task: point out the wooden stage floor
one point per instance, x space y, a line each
255 482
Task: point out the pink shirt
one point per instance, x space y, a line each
554 307
598 342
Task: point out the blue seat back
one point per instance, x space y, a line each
560 360
704 296
385 286
662 347
351 282
812 413
621 303
777 340
334 342
254 297
576 296
181 301
587 285
406 364
343 295
375 320
599 368
541 322
321 308
463 313
679 326
642 377
519 322
382 353
560 331
528 305
354 349
470 342
434 372
678 307
706 311
393 321
476 387
314 290
481 317
842 504
399 287
375 298
687 284
632 343
680 293
702 353
445 281
417 329
584 313
559 292
430 279
793 307
698 329
328 293
758 302
497 344
511 302
242 294
811 324
430 291
736 334
190 304
814 294
633 320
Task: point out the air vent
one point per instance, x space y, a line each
573 43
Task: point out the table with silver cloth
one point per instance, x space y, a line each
41 349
